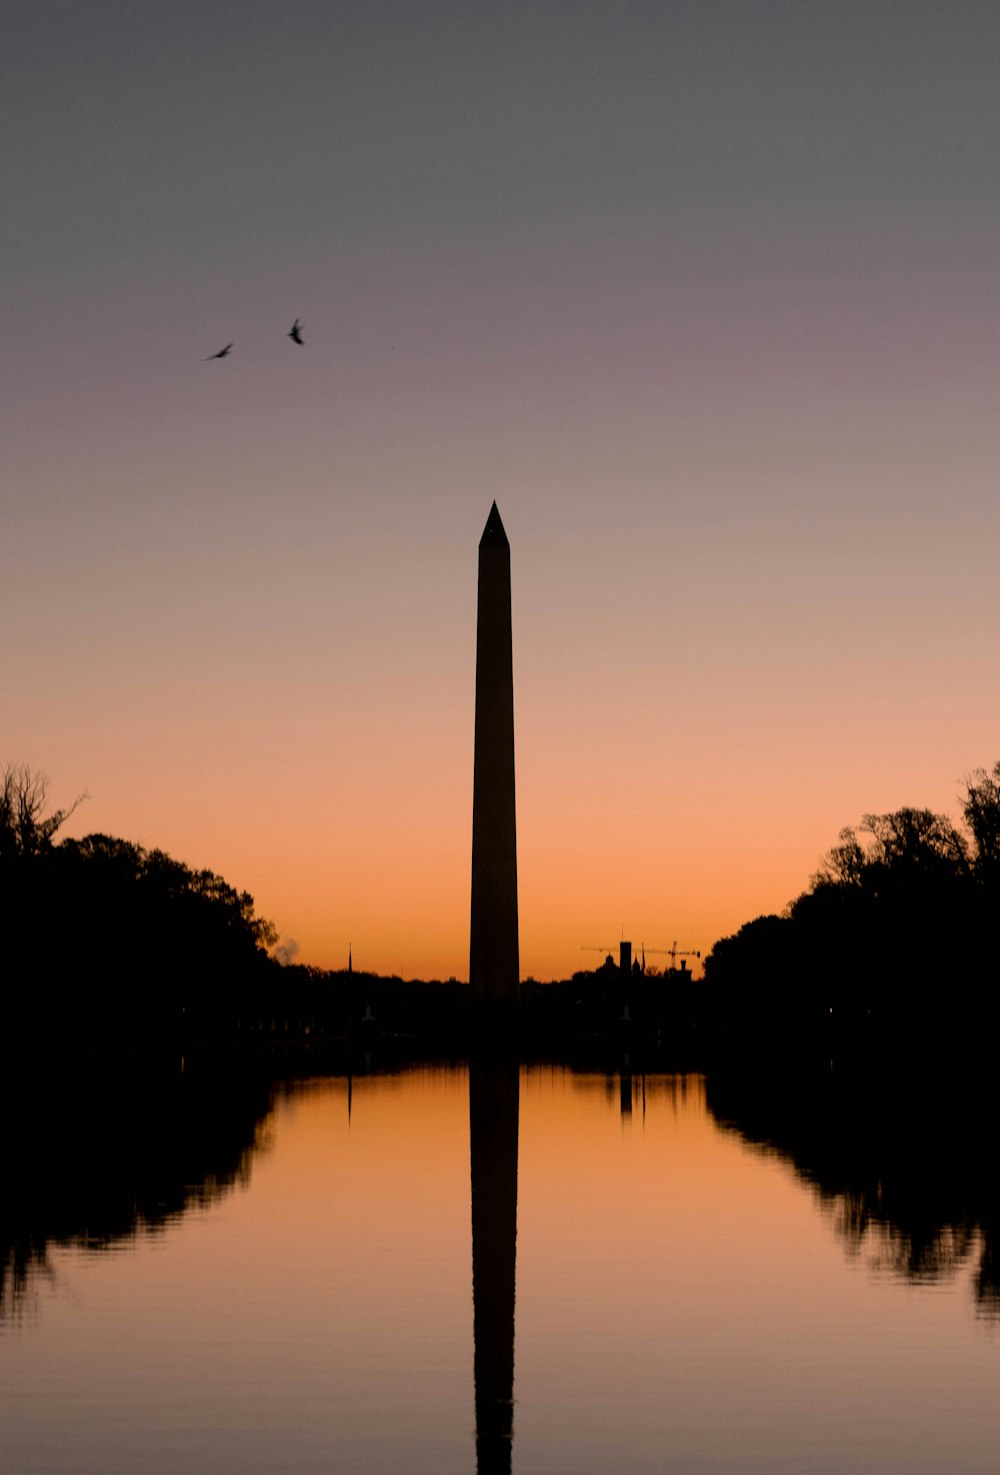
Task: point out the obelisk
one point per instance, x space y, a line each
493 948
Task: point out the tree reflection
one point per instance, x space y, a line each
95 1160
902 1161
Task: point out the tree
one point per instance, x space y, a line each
106 940
906 851
901 910
981 810
916 841
25 830
844 865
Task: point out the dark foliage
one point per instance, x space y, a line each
105 941
901 905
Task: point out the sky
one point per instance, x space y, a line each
703 294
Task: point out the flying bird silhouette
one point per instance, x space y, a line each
295 333
221 353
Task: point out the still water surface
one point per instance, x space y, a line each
300 1299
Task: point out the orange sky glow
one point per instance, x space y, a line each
703 303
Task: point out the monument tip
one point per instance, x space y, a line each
493 533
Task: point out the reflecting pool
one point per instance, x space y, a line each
670 1275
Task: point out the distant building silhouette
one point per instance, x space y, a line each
494 966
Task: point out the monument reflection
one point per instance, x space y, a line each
493 1120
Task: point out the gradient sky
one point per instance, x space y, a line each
704 294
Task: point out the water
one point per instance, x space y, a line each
280 1279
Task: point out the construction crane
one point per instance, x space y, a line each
675 952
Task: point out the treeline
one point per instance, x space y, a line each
893 943
318 1004
895 940
105 940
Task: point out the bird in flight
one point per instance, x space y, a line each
295 333
221 353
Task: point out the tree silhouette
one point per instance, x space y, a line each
108 941
862 950
25 830
981 810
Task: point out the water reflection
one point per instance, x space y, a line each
673 1291
494 1086
903 1162
902 1165
625 1090
98 1158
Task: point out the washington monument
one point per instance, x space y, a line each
493 951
